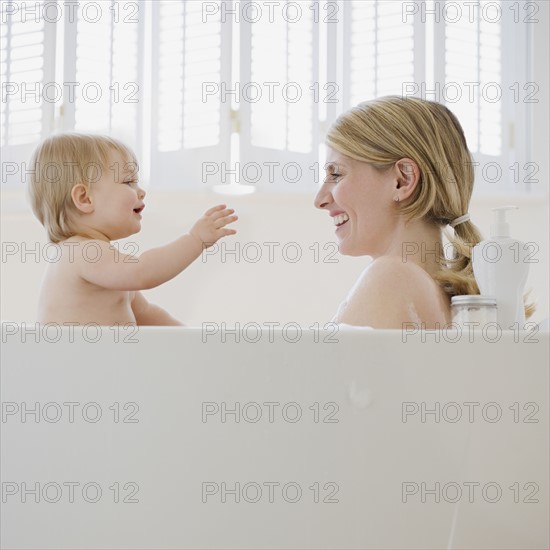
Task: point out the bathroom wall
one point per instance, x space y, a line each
306 289
224 286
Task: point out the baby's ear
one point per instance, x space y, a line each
81 198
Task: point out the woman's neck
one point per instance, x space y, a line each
420 242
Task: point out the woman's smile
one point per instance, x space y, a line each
340 219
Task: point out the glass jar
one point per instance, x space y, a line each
474 308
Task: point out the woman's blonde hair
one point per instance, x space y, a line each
382 131
58 164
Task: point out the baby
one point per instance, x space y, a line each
84 190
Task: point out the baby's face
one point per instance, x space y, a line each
117 200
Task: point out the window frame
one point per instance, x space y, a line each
166 171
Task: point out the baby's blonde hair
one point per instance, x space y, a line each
58 164
384 130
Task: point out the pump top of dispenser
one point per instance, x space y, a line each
500 228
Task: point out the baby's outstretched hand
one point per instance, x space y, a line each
211 227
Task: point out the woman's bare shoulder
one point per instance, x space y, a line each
391 292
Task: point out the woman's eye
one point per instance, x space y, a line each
334 177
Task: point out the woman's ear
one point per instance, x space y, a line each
81 198
408 176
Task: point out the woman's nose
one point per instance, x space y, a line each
323 197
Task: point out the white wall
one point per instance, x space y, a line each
281 291
239 290
540 134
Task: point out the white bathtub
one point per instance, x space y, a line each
364 466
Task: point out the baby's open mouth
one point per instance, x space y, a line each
341 219
139 210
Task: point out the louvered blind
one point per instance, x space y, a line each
190 123
109 90
226 91
378 49
454 53
27 49
278 93
473 77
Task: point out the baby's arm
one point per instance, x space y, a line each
165 262
115 271
150 314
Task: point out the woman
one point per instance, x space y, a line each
398 172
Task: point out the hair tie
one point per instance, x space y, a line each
460 220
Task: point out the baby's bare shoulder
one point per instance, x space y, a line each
81 256
77 249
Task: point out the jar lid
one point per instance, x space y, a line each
474 300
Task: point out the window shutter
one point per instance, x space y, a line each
482 91
473 78
107 70
278 99
378 50
27 66
373 50
163 77
190 123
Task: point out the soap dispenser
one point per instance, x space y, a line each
500 269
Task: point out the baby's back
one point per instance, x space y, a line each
67 297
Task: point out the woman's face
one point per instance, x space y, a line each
360 200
